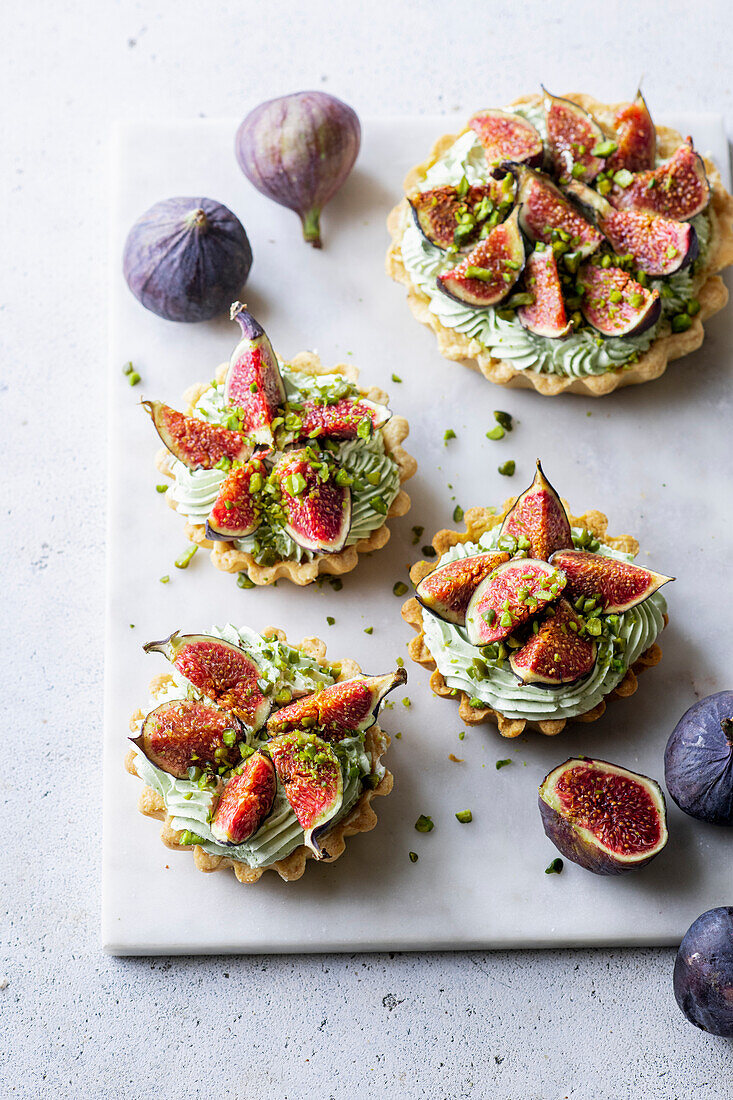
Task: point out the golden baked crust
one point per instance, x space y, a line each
225 555
479 520
710 290
360 819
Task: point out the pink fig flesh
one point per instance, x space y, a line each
557 654
614 303
636 138
538 520
616 585
509 597
677 189
343 419
546 316
245 801
317 510
572 134
507 137
341 710
237 511
660 246
196 443
310 775
448 589
253 383
545 211
184 733
449 216
488 273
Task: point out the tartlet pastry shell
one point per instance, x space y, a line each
225 555
479 520
360 819
710 290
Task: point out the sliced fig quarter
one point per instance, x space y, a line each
507 137
448 589
196 443
546 316
341 710
246 801
572 135
344 419
317 510
636 138
490 270
556 654
614 303
509 597
221 671
451 216
538 519
185 733
617 585
237 510
544 210
310 774
677 189
603 817
253 383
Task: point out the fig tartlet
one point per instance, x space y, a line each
259 755
564 244
533 616
283 469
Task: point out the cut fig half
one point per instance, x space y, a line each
616 585
310 774
186 733
196 443
453 217
488 273
614 303
254 385
538 520
507 137
546 214
509 597
246 801
344 419
219 670
345 708
557 654
237 510
636 138
572 134
546 316
447 591
603 817
677 189
317 510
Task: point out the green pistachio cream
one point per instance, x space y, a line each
376 479
490 680
583 352
287 672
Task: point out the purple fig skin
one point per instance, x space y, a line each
186 259
703 972
298 150
698 760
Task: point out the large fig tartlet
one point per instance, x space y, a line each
624 228
533 616
283 469
259 755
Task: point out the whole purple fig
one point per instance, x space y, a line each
298 150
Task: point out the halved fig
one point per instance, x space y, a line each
448 216
245 801
509 597
221 671
196 443
237 510
344 419
572 134
603 817
538 517
310 774
545 211
614 303
341 710
546 315
317 510
448 589
506 136
677 189
616 585
487 274
185 733
636 138
253 383
557 654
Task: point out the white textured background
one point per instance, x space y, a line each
73 1023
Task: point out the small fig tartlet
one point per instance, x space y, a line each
283 469
624 229
534 617
259 755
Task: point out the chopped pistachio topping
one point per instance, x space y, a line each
424 824
555 867
508 468
464 816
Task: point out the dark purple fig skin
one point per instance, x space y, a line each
185 259
298 150
698 760
703 972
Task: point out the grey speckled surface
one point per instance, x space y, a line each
74 1023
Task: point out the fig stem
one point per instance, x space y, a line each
197 219
727 727
312 227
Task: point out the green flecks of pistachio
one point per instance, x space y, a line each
187 838
623 177
417 533
424 824
128 368
502 763
399 588
407 701
379 505
368 629
429 551
555 867
504 419
133 378
396 378
413 857
457 514
244 581
464 816
681 322
183 560
604 148
161 488
165 579
336 583
449 434
508 468
693 307
330 620
496 433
